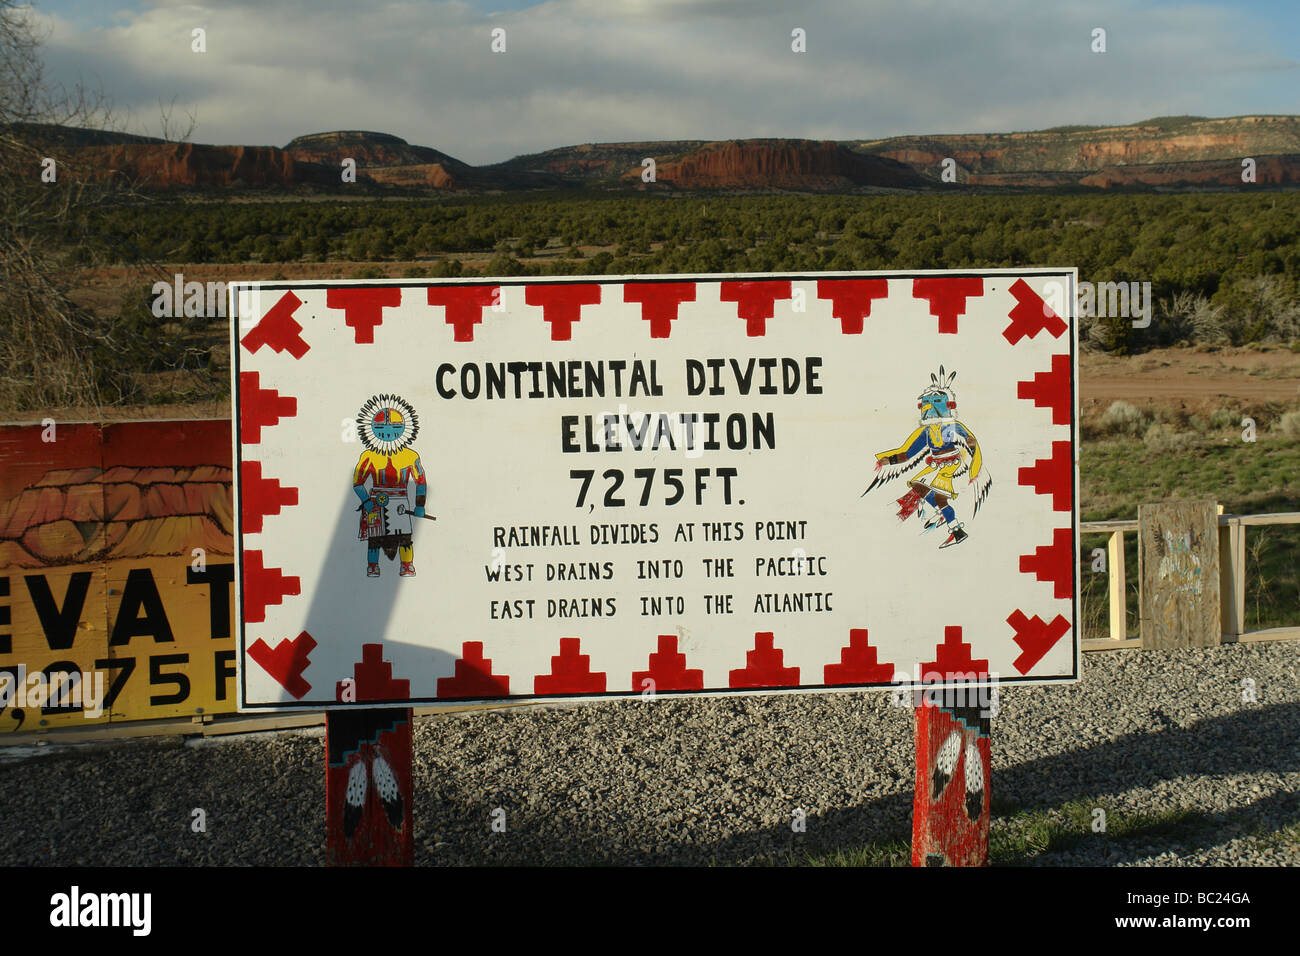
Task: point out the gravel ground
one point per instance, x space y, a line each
712 781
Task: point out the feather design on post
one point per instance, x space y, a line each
945 763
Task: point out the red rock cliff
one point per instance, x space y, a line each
783 164
191 164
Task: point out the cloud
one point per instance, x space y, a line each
579 71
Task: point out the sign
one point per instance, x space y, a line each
599 487
116 573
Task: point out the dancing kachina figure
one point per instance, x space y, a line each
387 426
948 450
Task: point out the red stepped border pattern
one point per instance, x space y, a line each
660 302
764 666
463 305
1031 315
953 656
1035 637
1053 476
264 586
373 677
278 330
286 662
260 408
570 672
1051 390
562 305
261 497
947 296
1053 562
363 308
755 301
668 670
858 663
473 677
851 300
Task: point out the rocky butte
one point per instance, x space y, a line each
785 164
1180 152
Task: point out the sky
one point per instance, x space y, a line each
583 71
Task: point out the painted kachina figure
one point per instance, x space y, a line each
948 450
387 426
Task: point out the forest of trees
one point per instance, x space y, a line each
1223 267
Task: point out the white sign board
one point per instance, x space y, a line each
594 487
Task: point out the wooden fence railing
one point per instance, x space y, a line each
1232 579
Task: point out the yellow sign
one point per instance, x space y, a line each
116 594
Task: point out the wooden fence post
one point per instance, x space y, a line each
368 788
1232 561
1116 585
1239 575
950 811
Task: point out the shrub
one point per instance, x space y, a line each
1258 309
1289 425
1166 416
1191 316
1165 438
1121 418
505 265
1224 418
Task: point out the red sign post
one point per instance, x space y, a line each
950 811
368 790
